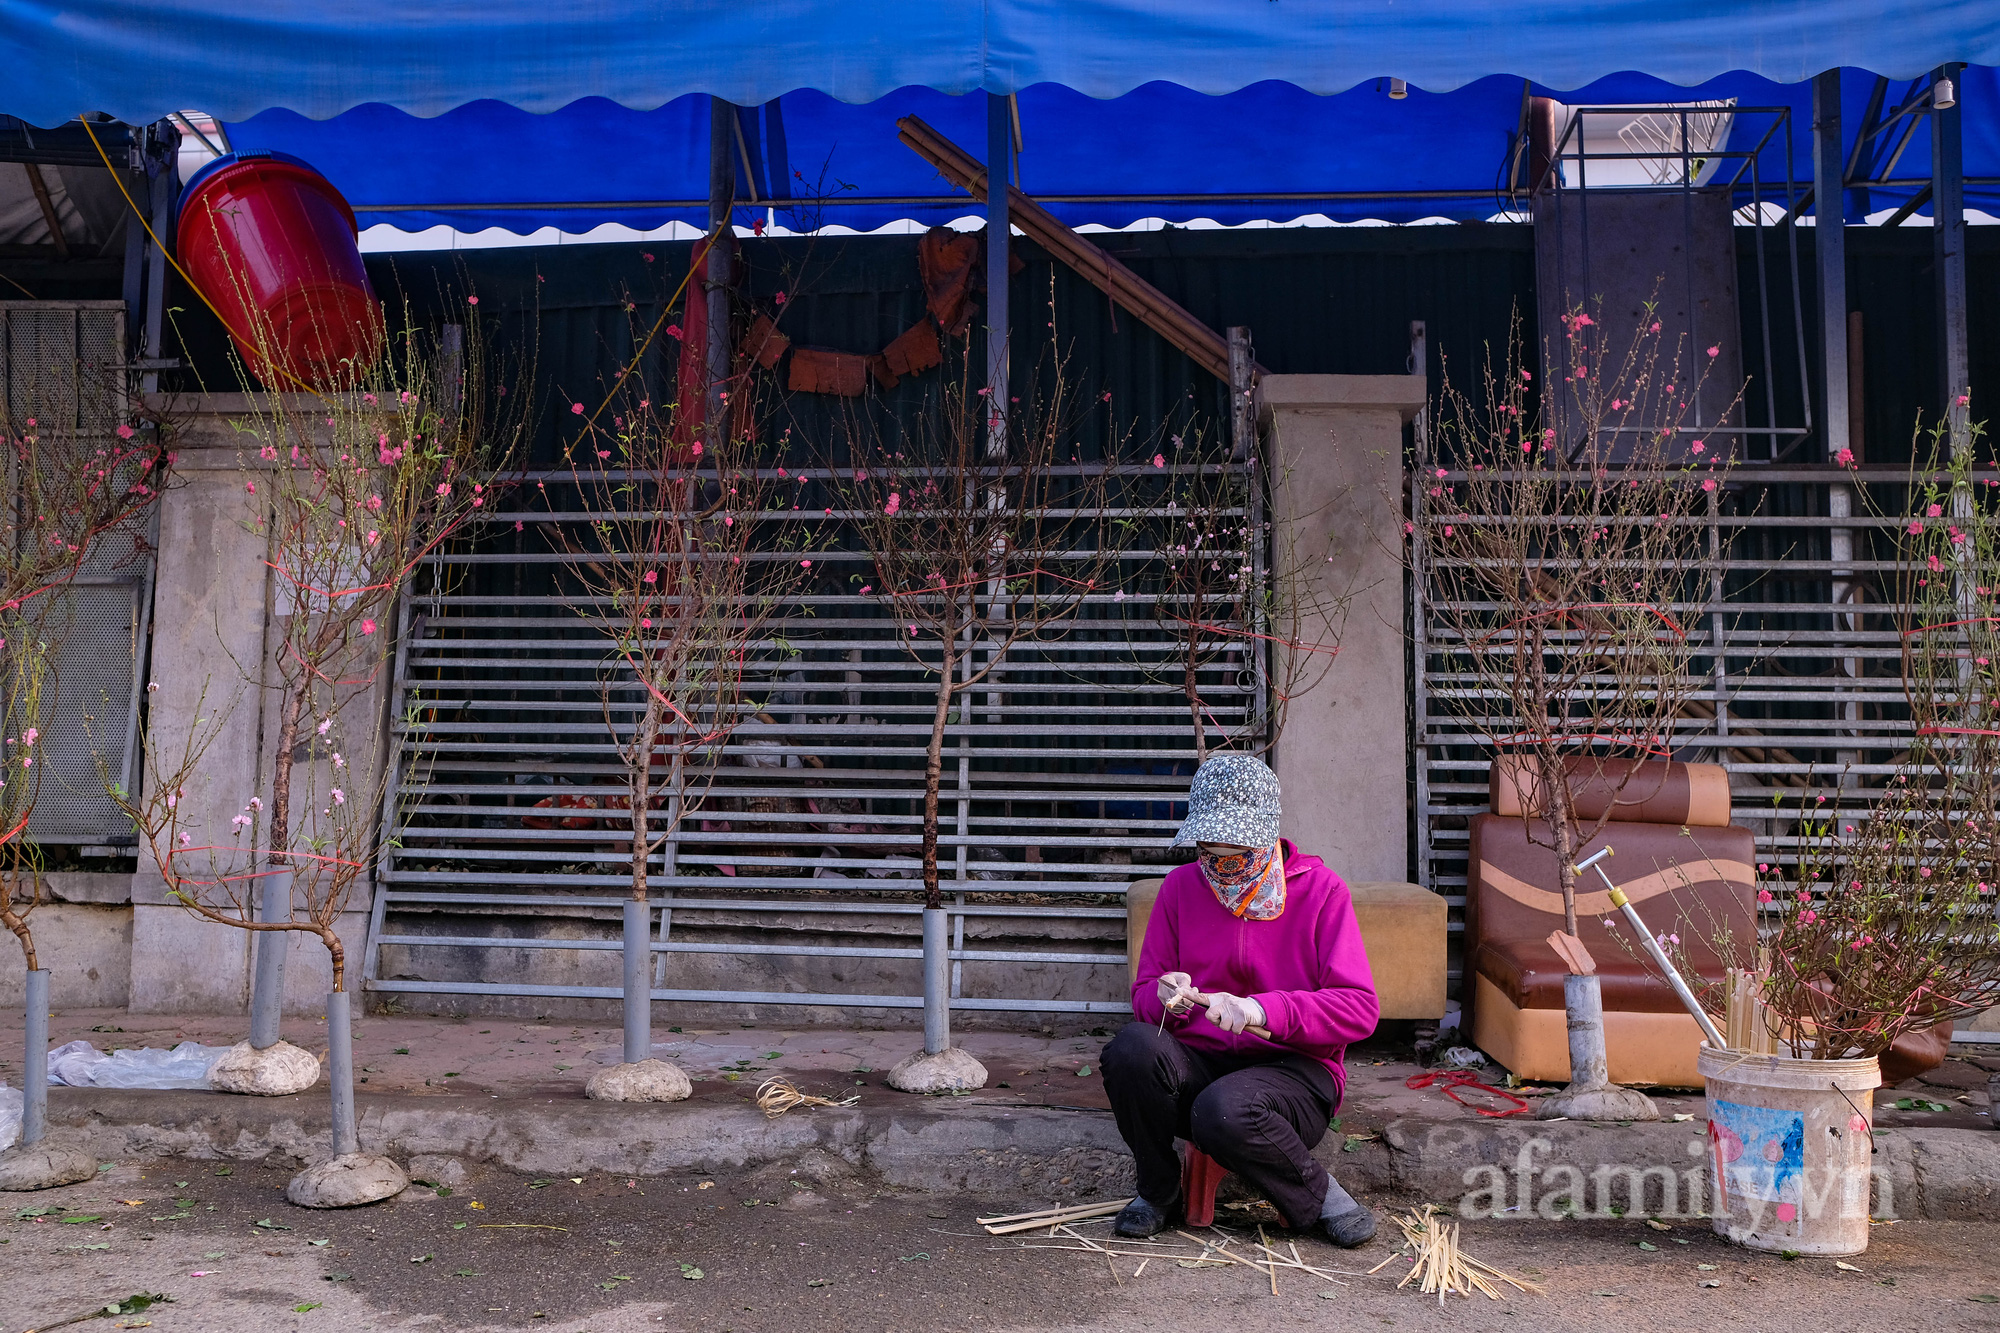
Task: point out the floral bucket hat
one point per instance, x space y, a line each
1234 800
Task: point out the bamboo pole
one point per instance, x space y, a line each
1155 308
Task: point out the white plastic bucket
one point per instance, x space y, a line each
1790 1150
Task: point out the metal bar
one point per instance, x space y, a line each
1915 202
934 201
1242 405
40 186
35 1060
166 188
1948 250
721 202
744 950
980 1003
340 1072
638 1007
267 990
385 846
999 154
1830 250
1419 673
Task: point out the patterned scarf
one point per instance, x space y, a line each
1249 884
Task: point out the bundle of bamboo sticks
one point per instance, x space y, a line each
1747 1022
1440 1267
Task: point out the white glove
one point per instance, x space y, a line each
1175 991
1233 1013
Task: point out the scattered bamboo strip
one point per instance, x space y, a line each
517 1226
1085 1249
1213 1253
1002 1226
1274 1261
1440 1267
1301 1265
776 1095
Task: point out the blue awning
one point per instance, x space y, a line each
138 59
1271 151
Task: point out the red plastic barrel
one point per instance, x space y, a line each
271 244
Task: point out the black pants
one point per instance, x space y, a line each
1258 1118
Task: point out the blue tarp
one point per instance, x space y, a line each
809 155
138 59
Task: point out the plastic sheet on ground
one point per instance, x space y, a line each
12 1107
1463 1057
78 1064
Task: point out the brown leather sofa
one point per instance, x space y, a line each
1676 855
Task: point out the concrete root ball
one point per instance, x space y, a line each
645 1081
347 1181
275 1071
950 1070
44 1166
1606 1101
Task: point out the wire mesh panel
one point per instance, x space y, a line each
794 877
62 366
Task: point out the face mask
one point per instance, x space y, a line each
1248 883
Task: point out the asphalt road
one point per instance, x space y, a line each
819 1248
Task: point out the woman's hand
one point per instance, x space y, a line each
1176 992
1233 1013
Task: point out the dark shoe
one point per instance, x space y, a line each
1139 1219
1348 1230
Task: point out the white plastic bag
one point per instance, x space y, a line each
12 1108
70 1064
81 1065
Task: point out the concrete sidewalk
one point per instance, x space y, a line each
446 1094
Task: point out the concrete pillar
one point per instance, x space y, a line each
1334 451
210 605
211 656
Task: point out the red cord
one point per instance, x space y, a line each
1454 1079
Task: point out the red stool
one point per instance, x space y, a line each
1200 1177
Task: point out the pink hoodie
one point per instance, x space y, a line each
1306 967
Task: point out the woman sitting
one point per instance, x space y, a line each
1250 986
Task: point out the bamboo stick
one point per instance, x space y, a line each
1053 1218
1049 1212
1274 1262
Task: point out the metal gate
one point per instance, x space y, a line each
1800 680
64 362
797 883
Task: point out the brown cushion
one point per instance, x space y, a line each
1695 885
1140 895
1916 1053
1650 792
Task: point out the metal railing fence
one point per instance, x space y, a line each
794 877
